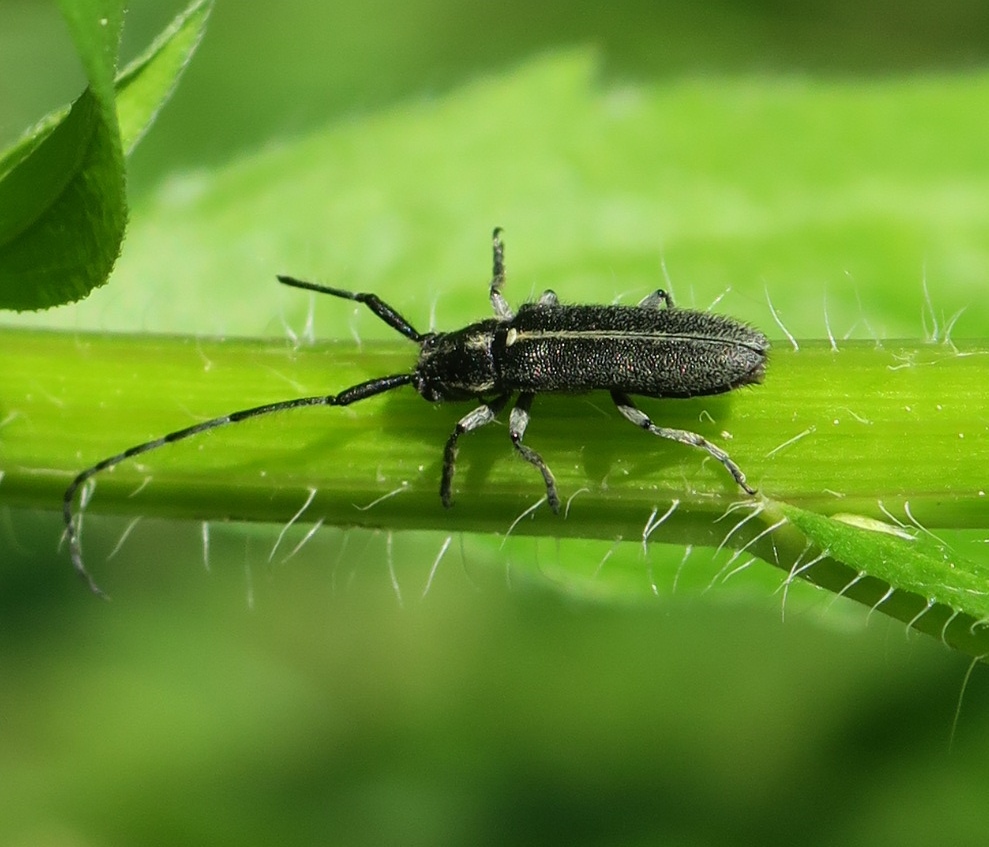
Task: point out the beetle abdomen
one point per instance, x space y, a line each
648 351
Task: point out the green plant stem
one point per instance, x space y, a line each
888 432
835 432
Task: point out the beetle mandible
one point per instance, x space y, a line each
651 349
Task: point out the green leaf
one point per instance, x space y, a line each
95 26
63 204
146 84
62 231
900 568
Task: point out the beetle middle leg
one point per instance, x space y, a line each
482 415
517 422
652 301
636 416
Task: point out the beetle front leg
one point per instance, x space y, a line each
517 422
498 302
641 419
468 423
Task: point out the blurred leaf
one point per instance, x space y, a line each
145 85
62 186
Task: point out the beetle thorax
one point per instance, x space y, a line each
457 365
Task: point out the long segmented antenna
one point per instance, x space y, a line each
351 395
372 301
345 398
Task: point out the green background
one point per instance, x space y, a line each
324 699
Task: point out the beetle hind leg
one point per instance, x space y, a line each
636 416
517 423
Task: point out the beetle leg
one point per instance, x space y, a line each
482 415
517 422
652 301
641 419
548 298
498 302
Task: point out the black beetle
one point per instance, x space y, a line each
653 349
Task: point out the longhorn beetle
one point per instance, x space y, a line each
653 349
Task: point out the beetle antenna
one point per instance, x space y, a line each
380 308
351 395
